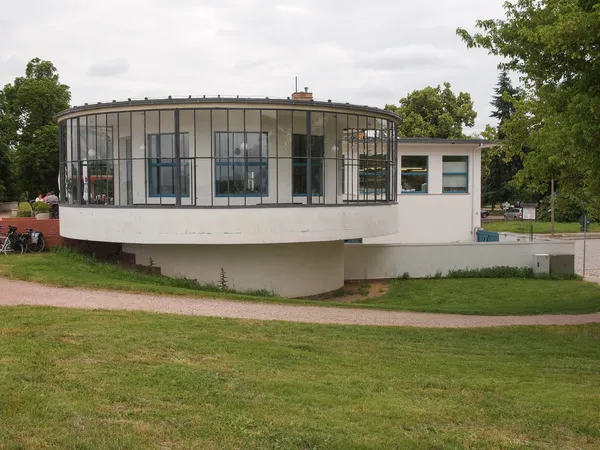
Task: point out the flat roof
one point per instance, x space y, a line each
404 140
205 101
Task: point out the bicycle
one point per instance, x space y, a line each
12 242
33 240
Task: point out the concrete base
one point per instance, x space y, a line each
289 270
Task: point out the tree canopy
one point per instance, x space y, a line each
555 46
499 168
28 134
435 112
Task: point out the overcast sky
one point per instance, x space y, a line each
367 52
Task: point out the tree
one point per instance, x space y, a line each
435 113
500 168
28 133
555 46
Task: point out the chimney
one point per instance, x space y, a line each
302 95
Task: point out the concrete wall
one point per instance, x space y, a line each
7 206
436 217
266 225
381 261
291 270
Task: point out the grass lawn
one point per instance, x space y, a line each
490 296
95 379
518 226
486 296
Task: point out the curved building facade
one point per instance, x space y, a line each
256 187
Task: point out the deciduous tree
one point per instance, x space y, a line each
555 46
27 110
435 112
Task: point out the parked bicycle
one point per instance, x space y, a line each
11 242
33 240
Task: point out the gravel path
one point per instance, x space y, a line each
592 258
24 293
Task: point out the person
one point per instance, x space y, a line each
39 198
51 199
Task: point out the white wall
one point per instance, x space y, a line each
145 225
291 270
383 261
436 217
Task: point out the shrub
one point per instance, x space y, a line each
41 207
567 208
492 272
24 209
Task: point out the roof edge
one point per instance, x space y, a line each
447 141
220 99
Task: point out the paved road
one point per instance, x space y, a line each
24 293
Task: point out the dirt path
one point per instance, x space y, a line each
23 293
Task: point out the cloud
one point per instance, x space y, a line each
108 68
408 57
367 53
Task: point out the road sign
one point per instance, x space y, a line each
528 211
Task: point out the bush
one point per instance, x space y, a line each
24 209
41 207
567 208
493 272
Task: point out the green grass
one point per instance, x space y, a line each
66 268
518 226
490 296
486 296
99 380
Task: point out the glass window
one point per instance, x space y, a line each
455 174
241 164
300 161
371 175
414 174
161 164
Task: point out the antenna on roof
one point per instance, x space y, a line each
296 90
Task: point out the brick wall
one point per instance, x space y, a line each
49 227
302 96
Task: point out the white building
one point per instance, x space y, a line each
264 190
439 191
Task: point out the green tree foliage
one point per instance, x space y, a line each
6 165
555 46
500 168
435 112
30 136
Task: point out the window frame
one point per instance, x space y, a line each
229 162
465 174
319 164
377 175
159 165
402 174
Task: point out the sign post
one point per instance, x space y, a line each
529 214
584 221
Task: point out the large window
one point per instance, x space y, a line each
455 174
300 163
414 174
162 165
241 165
215 154
371 175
